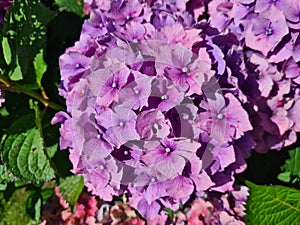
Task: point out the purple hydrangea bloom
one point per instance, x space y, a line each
119 124
267 30
72 65
168 106
224 123
152 123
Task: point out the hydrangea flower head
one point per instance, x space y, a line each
159 102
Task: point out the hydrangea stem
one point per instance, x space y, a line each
14 86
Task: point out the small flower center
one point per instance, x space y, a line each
98 136
127 17
168 150
221 116
185 69
114 85
77 65
101 25
82 92
164 97
121 124
185 116
102 167
136 91
135 40
153 179
126 152
269 31
155 126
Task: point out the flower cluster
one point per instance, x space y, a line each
215 208
270 76
118 213
4 6
58 211
165 99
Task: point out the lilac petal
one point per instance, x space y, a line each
67 134
294 115
173 98
95 149
155 191
202 181
171 166
60 117
152 123
237 116
180 187
105 118
186 148
265 85
275 27
106 83
281 120
135 95
120 135
73 63
172 34
291 69
155 155
291 11
133 32
148 211
225 156
262 5
260 26
106 193
284 53
103 4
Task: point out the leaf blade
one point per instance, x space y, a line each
273 205
23 151
71 188
71 6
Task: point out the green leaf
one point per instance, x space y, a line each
170 213
4 112
284 177
34 206
25 30
23 151
3 187
6 50
272 205
40 67
46 194
70 188
52 150
291 168
74 6
5 175
14 211
16 74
